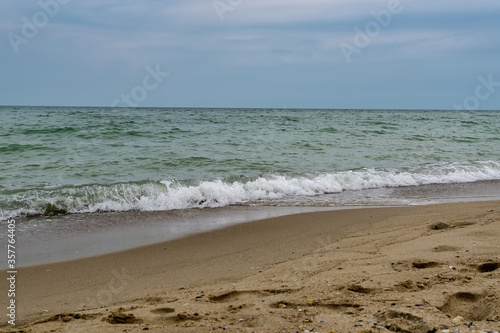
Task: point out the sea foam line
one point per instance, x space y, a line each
173 194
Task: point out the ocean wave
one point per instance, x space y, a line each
176 194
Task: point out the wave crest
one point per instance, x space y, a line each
175 194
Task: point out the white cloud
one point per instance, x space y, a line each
118 37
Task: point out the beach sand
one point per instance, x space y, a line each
405 269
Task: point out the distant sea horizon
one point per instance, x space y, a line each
246 108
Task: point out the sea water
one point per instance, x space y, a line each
88 160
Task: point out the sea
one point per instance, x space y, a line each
89 161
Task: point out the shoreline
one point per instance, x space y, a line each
369 258
79 236
68 237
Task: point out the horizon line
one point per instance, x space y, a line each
243 108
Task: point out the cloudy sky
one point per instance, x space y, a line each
251 53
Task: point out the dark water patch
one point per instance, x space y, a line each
329 130
193 161
175 130
468 123
134 133
53 210
377 132
465 139
417 137
18 148
47 131
390 127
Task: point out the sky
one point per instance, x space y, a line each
333 54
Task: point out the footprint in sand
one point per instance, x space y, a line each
488 267
472 306
65 317
446 248
408 264
359 289
233 295
397 321
184 317
163 310
121 318
422 264
440 226
338 307
444 226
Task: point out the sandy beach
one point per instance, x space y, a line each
428 268
250 166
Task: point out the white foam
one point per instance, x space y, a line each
172 194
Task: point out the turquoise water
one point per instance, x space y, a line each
120 159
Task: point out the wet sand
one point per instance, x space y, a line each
409 269
44 240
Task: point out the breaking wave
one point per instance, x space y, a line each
177 194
